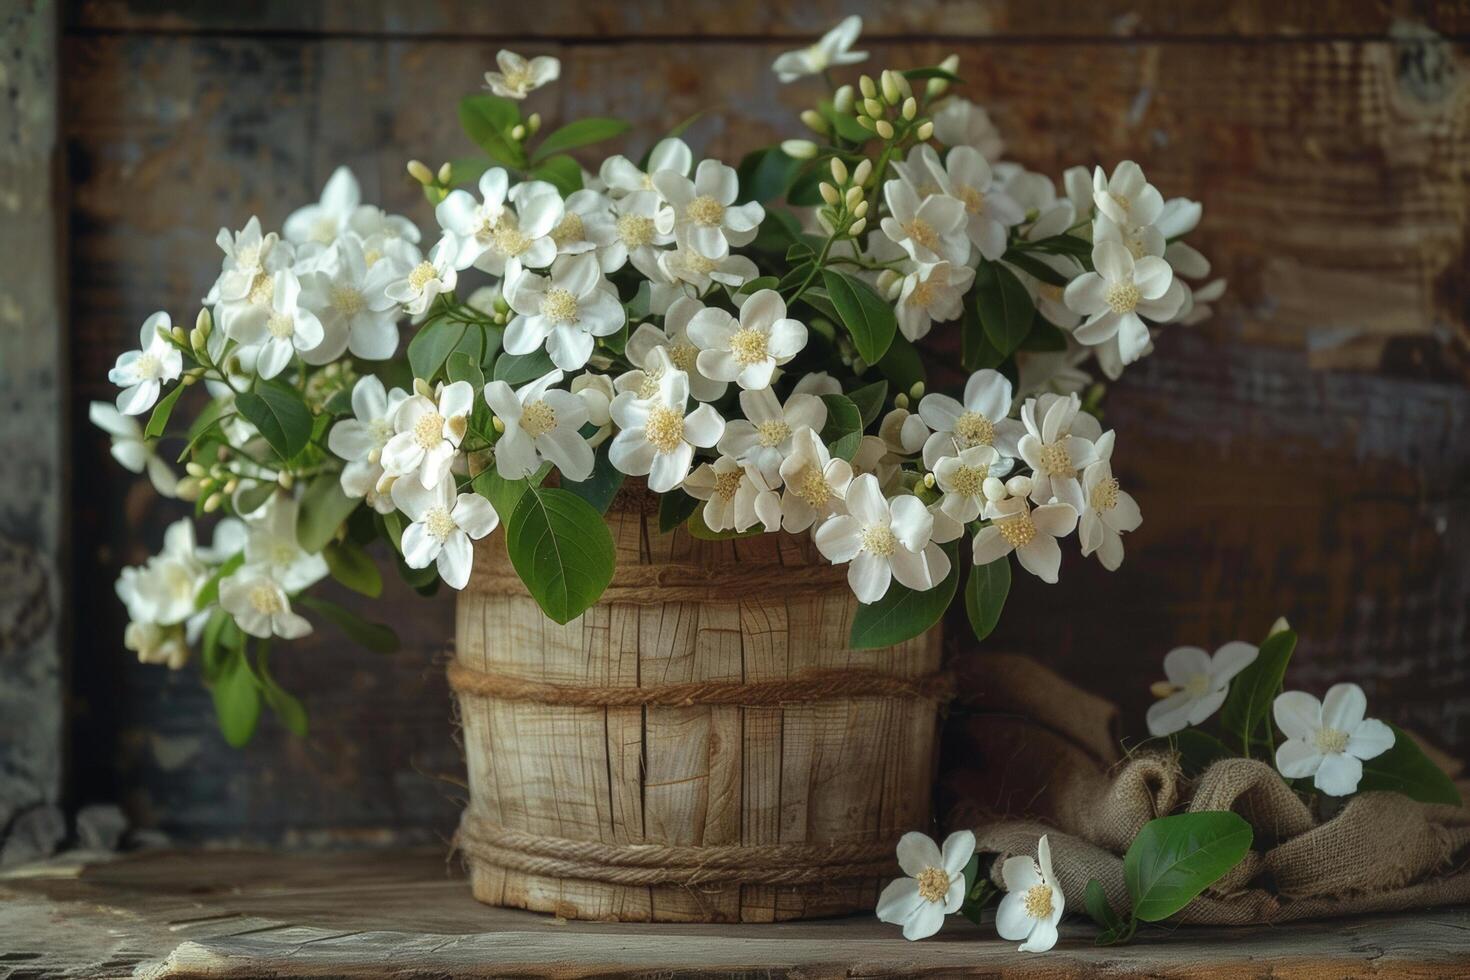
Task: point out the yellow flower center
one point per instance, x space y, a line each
1038 902
148 366
280 325
347 301
247 257
1197 686
974 200
559 306
568 230
1018 530
1056 461
727 484
773 432
665 429
649 387
370 257
266 599
518 79
968 481
705 210
422 274
683 355
923 233
1122 297
748 346
698 264
933 884
1330 741
812 487
923 295
1105 495
635 230
507 237
537 419
879 539
262 289
973 429
1122 200
439 524
428 431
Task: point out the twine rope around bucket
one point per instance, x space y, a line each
820 685
668 864
654 585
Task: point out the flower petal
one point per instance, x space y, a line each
1339 774
1370 739
916 852
899 901
1297 759
1343 707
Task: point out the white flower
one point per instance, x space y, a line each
564 312
281 329
736 497
347 296
1054 452
763 439
1197 685
130 449
165 589
324 221
684 264
683 354
442 526
1126 197
962 478
427 435
929 231
1107 514
1031 534
834 48
815 484
1033 902
141 373
517 77
248 256
883 540
657 439
1328 739
597 393
903 432
980 420
640 225
623 177
932 294
360 440
155 644
259 604
1118 294
491 235
706 217
271 544
749 350
587 225
540 422
934 886
421 285
965 176
960 122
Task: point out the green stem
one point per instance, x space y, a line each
816 267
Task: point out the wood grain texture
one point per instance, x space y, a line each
848 770
1303 453
399 913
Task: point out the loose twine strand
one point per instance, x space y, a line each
668 864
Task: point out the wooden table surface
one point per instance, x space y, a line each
409 914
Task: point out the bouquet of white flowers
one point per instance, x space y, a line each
743 338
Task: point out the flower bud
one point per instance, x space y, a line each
212 502
1280 626
518 132
925 130
904 88
860 209
951 63
814 121
419 172
178 335
195 469
829 193
891 92
853 196
929 481
839 170
842 99
856 228
1018 486
204 322
231 485
866 86
993 489
799 149
1162 689
187 489
910 107
901 400
534 122
286 480
873 107
884 129
498 425
865 122
863 172
446 171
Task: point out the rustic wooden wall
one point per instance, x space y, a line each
1308 452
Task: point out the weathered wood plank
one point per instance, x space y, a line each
946 19
226 914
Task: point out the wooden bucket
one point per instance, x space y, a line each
700 746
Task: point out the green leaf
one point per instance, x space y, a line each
868 318
583 132
1004 306
372 636
432 345
843 432
674 509
1034 267
461 366
279 413
487 120
517 369
1199 750
252 498
562 172
286 706
350 565
1175 858
323 509
221 636
758 283
844 124
1098 909
236 699
869 400
1406 769
902 613
562 550
1044 336
916 74
602 485
902 365
1063 245
505 495
765 175
1247 707
985 595
976 350
158 421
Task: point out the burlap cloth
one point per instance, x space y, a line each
1030 754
